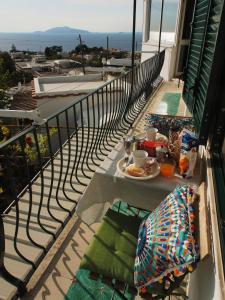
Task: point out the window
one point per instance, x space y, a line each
204 62
187 20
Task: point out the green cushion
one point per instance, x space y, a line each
113 249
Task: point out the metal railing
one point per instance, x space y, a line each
45 168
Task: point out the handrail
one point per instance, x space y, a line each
48 166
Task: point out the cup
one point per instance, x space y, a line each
151 133
140 157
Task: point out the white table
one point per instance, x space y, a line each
108 186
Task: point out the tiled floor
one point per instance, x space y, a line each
155 107
60 274
54 283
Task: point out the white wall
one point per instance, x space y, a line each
168 42
169 62
121 62
63 79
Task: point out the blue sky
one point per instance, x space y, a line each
92 15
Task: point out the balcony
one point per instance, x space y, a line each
46 169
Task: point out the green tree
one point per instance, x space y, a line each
6 63
4 99
96 61
13 48
53 52
9 76
83 47
4 80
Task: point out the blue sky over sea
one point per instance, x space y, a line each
92 15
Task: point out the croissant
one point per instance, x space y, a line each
135 171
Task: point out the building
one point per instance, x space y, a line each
39 58
36 67
54 92
120 62
17 56
64 65
176 43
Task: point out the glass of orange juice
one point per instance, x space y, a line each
167 169
167 166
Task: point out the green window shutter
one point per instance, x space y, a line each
200 74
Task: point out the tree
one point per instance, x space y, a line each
4 80
53 52
96 61
9 76
4 99
6 63
81 48
13 48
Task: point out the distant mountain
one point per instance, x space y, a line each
62 30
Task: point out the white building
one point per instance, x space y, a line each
39 58
32 66
121 62
55 92
17 56
176 43
65 64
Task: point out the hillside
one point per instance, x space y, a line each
62 30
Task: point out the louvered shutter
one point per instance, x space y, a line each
200 74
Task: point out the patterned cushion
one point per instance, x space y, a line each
164 123
166 244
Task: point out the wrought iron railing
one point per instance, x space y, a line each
45 169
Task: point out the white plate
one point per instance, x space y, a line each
120 166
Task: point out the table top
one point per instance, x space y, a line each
109 168
109 185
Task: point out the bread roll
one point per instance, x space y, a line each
135 171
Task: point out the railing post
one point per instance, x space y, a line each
133 46
160 29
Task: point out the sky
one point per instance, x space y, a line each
92 15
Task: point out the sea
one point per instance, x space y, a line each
39 41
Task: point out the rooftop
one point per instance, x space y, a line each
66 85
24 101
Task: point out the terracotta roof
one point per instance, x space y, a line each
23 100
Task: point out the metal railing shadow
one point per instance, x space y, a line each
47 167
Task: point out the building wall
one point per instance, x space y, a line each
169 41
63 80
167 71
